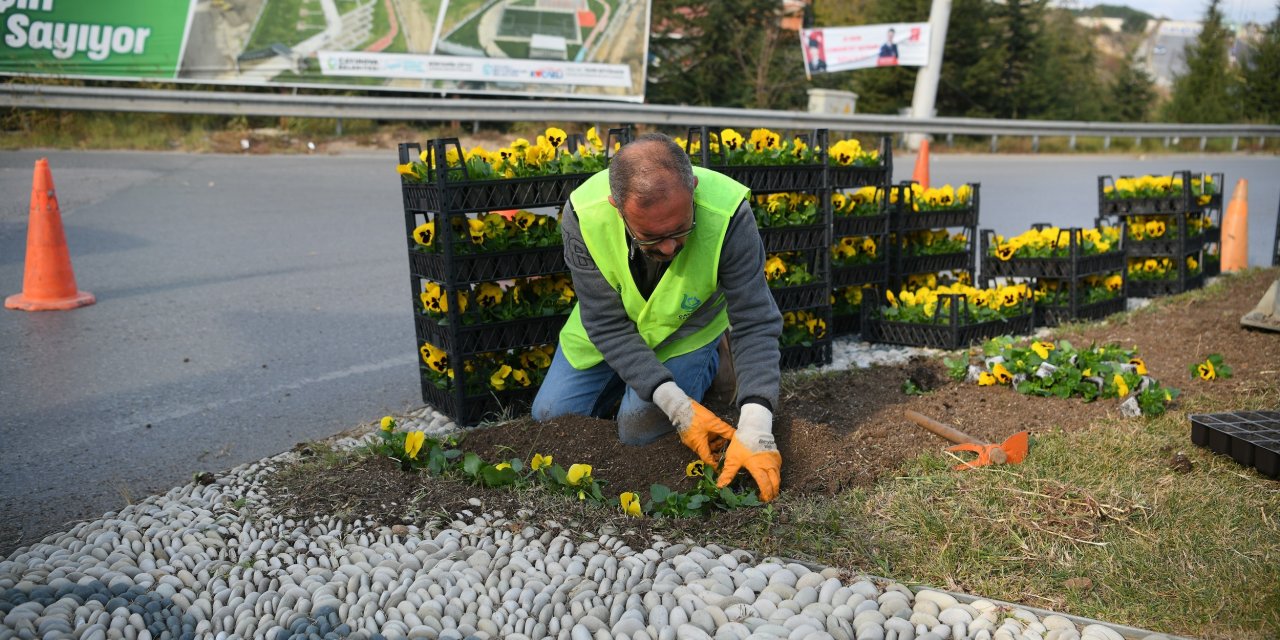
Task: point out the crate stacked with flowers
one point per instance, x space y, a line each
1167 222
489 285
1077 274
858 177
934 231
860 230
786 175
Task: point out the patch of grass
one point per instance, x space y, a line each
1095 523
280 22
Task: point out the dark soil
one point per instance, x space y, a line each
844 429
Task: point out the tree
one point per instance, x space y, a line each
1208 91
1262 77
1131 93
1065 78
731 53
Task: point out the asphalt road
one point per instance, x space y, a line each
248 303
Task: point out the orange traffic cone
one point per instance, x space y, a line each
1235 230
48 284
921 173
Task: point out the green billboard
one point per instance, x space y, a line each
137 39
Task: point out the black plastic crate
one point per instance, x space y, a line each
491 195
798 356
487 267
1165 247
1184 202
496 336
860 225
814 294
798 238
1252 438
843 177
1052 316
1154 288
949 336
1070 266
451 190
776 179
765 179
921 220
875 273
961 260
846 324
471 410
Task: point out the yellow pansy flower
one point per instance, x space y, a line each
1206 371
774 267
986 379
413 443
502 465
578 473
694 469
388 423
731 139
555 136
1001 373
1122 387
630 504
1042 349
406 169
539 462
499 378
488 294
1139 367
594 138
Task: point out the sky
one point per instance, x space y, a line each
1261 11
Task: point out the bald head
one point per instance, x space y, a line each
648 170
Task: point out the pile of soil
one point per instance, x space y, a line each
847 429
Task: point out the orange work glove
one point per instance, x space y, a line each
752 448
699 429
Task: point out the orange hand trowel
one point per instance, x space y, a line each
1012 451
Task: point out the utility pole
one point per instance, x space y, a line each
926 93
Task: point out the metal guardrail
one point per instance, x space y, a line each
391 107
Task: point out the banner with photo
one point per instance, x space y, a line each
901 44
590 49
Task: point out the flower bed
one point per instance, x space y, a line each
852 166
948 317
1059 369
860 213
1051 252
1168 194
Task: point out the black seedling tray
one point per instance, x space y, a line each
1252 438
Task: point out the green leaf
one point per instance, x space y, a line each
471 464
659 492
696 501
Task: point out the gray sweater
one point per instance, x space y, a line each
754 319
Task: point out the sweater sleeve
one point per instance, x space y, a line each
606 320
754 318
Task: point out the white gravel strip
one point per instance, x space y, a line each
215 561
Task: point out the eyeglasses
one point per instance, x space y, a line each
693 224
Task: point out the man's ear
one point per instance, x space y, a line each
612 202
695 182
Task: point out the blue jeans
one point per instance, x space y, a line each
595 391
